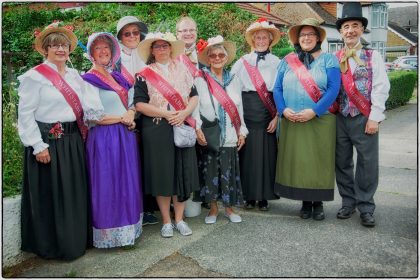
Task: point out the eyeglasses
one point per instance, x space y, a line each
163 47
214 56
348 27
187 30
56 47
134 33
309 35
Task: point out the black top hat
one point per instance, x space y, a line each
351 11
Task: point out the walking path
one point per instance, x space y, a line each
278 243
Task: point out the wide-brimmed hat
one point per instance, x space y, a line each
203 47
351 11
115 48
144 48
294 30
262 24
55 27
131 20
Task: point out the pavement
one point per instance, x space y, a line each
278 243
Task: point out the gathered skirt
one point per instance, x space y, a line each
55 220
306 159
115 185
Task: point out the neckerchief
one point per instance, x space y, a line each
261 55
306 56
350 53
190 53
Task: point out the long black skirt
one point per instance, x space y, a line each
259 154
55 219
168 170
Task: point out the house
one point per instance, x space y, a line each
405 17
400 42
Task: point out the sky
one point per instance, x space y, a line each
401 4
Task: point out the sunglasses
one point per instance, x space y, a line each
214 56
134 33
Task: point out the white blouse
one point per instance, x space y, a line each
131 60
205 108
268 68
40 100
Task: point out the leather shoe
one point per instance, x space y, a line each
249 204
367 219
306 210
318 213
345 212
263 205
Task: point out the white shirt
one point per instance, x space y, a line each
131 60
205 108
380 85
40 100
268 68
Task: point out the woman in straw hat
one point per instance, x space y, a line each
220 98
257 73
307 85
113 159
171 171
55 205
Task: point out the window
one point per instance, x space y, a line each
380 47
334 46
379 16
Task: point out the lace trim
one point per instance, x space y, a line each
92 115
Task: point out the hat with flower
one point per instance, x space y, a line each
262 24
144 48
55 27
203 47
115 47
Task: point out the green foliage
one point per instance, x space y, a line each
402 86
12 149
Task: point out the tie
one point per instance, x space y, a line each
350 53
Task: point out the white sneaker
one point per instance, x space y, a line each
183 228
210 219
167 230
234 218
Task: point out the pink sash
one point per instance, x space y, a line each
68 93
306 80
259 84
362 104
127 75
167 90
122 92
227 103
190 66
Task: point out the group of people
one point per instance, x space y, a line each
159 119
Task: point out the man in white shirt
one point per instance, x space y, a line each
361 101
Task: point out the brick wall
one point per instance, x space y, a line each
394 40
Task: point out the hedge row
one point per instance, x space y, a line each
402 87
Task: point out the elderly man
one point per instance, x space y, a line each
362 98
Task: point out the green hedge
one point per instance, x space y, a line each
402 86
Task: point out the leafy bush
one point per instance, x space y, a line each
402 86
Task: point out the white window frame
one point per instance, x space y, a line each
379 15
334 46
379 46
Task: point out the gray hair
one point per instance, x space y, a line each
269 34
215 47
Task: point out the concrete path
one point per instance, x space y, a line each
278 243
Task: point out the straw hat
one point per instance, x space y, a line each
144 48
262 24
293 31
131 20
351 11
203 47
115 48
55 27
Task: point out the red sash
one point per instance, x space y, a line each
190 66
127 75
227 103
68 93
306 80
167 90
122 92
259 84
362 104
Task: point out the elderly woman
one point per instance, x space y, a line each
165 96
257 73
307 84
113 159
220 99
130 31
55 223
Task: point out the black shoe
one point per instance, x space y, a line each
263 205
205 205
249 204
149 219
367 219
318 213
306 210
345 212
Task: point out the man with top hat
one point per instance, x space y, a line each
361 101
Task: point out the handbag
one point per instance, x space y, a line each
184 136
211 130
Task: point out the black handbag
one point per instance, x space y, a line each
211 130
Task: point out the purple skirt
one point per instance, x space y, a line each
115 185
